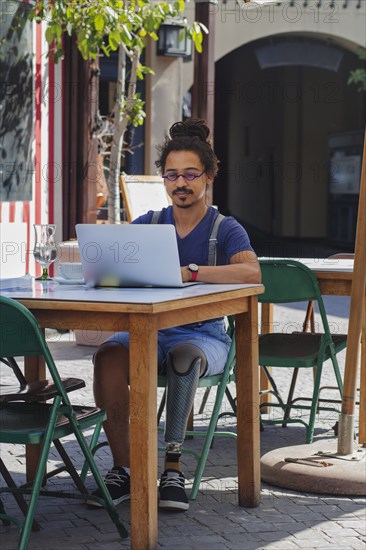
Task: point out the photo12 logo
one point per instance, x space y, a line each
290 11
120 252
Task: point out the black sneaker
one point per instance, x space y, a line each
117 482
171 491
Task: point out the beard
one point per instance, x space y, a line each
184 205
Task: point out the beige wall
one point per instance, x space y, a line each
237 23
283 208
286 207
164 93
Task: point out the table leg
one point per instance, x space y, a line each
34 369
266 328
143 438
248 417
362 410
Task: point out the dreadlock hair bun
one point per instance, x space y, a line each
190 135
192 127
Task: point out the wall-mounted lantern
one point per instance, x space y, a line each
173 41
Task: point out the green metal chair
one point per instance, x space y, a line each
289 281
28 417
220 381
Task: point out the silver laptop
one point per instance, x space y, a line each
129 255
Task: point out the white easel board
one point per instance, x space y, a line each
143 193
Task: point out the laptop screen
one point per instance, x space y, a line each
129 255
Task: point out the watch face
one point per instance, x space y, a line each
193 268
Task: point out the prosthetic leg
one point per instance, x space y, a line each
185 364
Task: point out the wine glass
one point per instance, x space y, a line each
45 249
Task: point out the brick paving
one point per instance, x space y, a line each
285 519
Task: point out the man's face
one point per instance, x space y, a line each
187 189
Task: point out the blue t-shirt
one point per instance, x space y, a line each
193 248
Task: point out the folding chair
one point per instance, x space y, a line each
27 417
288 281
309 326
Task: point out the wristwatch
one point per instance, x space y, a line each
194 269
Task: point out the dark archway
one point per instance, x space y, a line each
283 111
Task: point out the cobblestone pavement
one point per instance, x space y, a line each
284 520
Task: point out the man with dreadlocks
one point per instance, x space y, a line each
188 165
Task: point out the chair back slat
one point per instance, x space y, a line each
21 335
287 281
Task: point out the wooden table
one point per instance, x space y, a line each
142 312
335 279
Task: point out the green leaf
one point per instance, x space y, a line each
57 30
197 37
49 35
150 23
127 32
99 22
362 53
179 5
144 69
106 50
114 40
83 48
358 76
59 54
198 47
81 35
197 40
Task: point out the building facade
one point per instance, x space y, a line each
288 128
